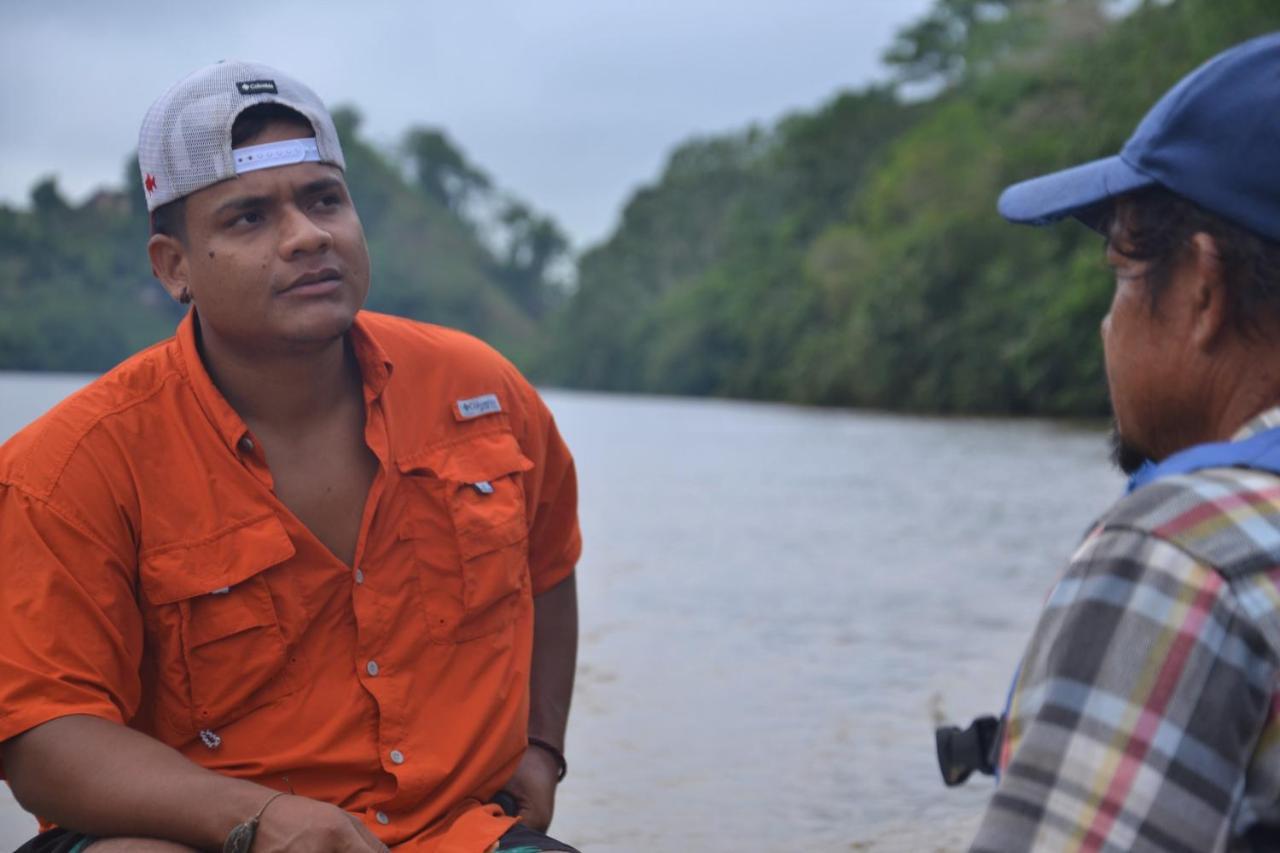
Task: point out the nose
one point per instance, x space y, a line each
301 235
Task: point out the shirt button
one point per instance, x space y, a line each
246 444
359 576
382 818
371 667
397 757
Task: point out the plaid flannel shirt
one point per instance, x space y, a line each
1146 715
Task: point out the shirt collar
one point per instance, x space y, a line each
375 364
1268 419
229 425
375 369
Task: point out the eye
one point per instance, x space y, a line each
328 200
249 217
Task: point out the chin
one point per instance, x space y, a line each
317 328
1126 455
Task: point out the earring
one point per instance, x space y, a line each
185 296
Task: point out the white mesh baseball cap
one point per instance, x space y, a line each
185 141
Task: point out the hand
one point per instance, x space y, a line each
299 825
534 787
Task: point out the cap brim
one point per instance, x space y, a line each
1081 191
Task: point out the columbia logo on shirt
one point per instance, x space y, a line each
474 407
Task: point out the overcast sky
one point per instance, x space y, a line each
571 104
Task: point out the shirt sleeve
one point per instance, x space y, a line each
71 637
551 493
1139 704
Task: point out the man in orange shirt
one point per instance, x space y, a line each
301 577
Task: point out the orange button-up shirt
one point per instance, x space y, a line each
150 576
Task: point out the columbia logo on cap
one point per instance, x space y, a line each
258 87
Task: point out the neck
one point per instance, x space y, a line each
1240 390
283 389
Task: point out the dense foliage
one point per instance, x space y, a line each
854 257
76 291
849 256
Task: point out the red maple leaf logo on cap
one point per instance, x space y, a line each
150 184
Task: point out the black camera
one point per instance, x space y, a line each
962 751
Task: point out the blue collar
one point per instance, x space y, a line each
1260 452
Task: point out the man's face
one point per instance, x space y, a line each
1149 375
276 258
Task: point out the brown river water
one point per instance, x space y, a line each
777 604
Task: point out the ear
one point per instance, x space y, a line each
1208 290
169 264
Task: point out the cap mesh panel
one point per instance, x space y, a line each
185 141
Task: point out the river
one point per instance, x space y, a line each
777 603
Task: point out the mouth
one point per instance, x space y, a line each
314 283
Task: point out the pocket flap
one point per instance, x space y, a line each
474 459
215 563
483 540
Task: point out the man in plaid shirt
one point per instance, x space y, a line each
1146 714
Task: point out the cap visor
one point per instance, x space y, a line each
1079 191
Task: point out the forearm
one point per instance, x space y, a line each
555 657
106 780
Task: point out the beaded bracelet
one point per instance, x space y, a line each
240 839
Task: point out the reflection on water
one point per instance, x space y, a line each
778 602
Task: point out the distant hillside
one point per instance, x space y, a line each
853 256
76 291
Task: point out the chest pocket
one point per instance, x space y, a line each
214 623
472 588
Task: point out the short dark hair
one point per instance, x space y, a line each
1154 227
252 121
171 219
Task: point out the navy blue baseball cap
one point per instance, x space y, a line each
1214 139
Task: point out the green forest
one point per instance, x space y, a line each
847 256
446 245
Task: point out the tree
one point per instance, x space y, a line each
441 170
959 38
47 201
853 255
534 243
